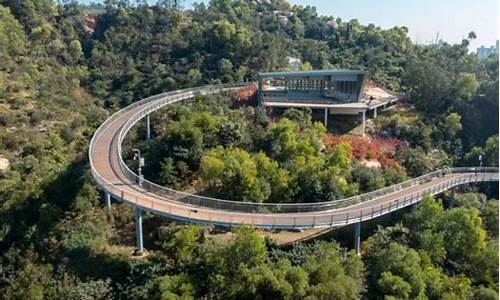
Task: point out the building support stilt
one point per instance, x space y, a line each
138 231
364 123
357 237
107 198
326 117
148 128
375 113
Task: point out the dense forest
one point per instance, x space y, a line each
64 67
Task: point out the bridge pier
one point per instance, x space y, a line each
148 128
357 237
107 198
138 232
326 117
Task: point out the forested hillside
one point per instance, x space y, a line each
64 67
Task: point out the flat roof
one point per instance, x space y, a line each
311 73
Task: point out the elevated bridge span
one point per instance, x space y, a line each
118 181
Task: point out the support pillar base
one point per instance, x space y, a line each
138 232
148 128
357 237
107 197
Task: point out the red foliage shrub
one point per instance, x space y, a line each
382 150
246 95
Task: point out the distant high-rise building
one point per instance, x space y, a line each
483 52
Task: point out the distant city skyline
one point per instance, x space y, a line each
427 20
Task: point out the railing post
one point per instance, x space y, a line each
138 231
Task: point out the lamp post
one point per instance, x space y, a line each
140 164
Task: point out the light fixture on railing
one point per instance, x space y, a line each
140 164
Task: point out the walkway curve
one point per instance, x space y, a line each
115 178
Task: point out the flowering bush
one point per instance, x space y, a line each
247 95
383 150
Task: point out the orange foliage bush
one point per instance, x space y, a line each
247 95
382 150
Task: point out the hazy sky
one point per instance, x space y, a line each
451 19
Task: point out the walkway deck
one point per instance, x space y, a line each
115 178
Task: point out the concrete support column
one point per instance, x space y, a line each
326 117
357 236
148 128
375 113
259 92
107 197
138 231
364 123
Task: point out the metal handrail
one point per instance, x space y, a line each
169 194
333 218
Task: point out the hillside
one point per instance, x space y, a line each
64 67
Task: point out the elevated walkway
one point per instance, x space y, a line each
117 181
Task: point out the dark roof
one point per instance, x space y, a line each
311 73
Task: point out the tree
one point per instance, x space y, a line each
489 153
425 235
463 233
394 286
466 85
369 179
275 177
440 285
278 280
184 142
11 37
168 175
32 282
176 287
452 125
233 173
332 278
184 243
175 4
489 214
400 271
484 293
246 251
469 200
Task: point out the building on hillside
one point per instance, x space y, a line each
483 52
336 92
293 62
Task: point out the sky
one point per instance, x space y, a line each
450 20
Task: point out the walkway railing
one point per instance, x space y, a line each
328 218
155 102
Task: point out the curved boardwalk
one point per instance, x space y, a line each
119 182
